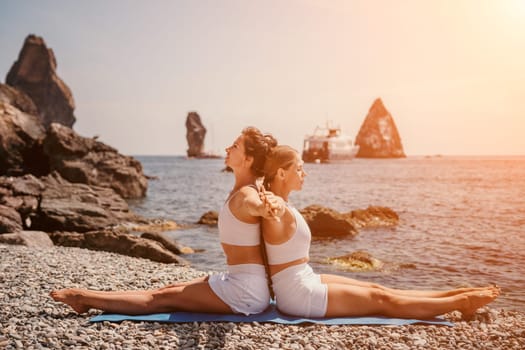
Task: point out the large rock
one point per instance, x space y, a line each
326 222
20 147
54 204
10 219
118 242
195 133
372 216
34 73
78 207
18 99
378 136
28 238
85 160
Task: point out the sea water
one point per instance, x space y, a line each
462 219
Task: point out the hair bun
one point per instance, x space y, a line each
271 142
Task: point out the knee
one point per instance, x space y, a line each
381 296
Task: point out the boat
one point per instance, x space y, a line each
327 145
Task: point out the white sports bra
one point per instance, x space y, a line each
297 247
236 232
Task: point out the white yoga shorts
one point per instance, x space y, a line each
299 292
243 288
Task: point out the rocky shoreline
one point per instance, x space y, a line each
30 319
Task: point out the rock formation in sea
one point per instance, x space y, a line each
34 73
378 136
195 133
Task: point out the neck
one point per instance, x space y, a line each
243 179
279 190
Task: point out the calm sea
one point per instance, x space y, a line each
462 219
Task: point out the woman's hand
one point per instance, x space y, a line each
273 205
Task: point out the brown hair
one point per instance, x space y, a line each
279 157
257 145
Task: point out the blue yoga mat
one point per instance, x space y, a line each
270 315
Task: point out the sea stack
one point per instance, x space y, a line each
34 73
195 133
378 136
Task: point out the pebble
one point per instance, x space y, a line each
30 319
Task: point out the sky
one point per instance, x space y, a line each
450 72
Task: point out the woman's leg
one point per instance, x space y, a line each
348 300
327 278
196 297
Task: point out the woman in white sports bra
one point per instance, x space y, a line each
244 288
301 292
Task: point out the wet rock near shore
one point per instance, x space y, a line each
326 222
210 218
357 261
34 73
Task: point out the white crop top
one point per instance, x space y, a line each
297 247
236 232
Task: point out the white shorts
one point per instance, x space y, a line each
299 292
243 288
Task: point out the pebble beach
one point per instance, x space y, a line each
30 319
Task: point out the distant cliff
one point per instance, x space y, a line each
378 136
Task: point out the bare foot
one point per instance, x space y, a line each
70 297
477 299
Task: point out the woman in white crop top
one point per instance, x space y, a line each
301 292
243 288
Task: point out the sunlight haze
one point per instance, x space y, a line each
451 73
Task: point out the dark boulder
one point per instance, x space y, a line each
326 222
118 242
195 133
85 160
209 218
34 73
20 143
28 238
51 203
378 136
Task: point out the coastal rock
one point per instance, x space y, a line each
378 136
326 222
357 261
78 207
372 216
10 220
20 148
34 73
27 238
118 242
17 99
195 133
209 218
171 245
51 203
84 160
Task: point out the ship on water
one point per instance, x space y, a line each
328 145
